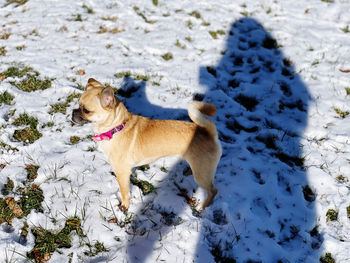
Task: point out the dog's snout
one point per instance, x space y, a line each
77 118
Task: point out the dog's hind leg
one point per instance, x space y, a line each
204 173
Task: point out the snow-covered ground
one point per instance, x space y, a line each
278 72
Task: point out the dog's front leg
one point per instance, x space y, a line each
123 178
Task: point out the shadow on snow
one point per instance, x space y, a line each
264 211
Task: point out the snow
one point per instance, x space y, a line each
275 110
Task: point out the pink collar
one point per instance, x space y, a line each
108 135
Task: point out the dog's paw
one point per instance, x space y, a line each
123 208
197 210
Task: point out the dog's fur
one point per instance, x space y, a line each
144 140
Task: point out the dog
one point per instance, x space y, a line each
128 140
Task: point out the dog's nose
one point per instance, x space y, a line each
75 113
77 118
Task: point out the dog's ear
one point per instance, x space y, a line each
93 83
108 99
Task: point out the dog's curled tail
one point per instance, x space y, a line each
198 112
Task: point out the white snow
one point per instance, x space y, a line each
260 213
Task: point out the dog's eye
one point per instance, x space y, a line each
86 111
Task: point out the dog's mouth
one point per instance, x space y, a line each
77 118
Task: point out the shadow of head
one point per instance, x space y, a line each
256 82
134 96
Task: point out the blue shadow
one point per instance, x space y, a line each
264 211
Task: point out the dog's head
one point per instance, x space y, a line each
96 104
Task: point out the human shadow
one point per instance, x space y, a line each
133 94
265 208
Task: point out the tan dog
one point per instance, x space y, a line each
129 140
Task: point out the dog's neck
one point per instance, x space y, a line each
117 116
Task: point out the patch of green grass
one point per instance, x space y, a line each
167 56
346 29
20 48
109 18
115 30
91 149
61 107
145 186
189 24
331 215
58 107
3 51
164 169
73 96
155 2
8 187
32 83
128 74
244 13
205 23
7 147
88 9
74 139
24 120
32 171
314 63
49 124
24 232
78 18
5 35
139 13
46 242
95 249
327 258
29 134
127 220
189 39
195 14
178 44
17 2
124 74
328 1
347 90
31 198
6 214
6 98
19 71
215 34
144 167
342 114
